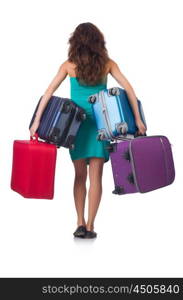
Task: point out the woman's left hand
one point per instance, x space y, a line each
141 127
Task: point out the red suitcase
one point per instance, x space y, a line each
33 168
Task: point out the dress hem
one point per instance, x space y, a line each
92 156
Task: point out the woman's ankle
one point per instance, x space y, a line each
89 227
81 223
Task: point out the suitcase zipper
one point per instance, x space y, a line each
106 116
150 136
133 167
163 146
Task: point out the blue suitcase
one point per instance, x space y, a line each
60 121
113 113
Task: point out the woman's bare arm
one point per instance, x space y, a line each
122 80
59 77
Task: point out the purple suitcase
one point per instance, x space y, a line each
142 164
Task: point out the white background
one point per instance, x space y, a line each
138 235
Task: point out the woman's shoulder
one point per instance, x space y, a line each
70 66
110 64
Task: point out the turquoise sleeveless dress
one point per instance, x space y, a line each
86 143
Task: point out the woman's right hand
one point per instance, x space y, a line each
34 127
141 127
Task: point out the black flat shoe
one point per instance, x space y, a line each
80 231
90 234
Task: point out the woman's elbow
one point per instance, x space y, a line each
49 92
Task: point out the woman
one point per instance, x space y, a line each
87 66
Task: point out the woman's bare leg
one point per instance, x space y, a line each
95 190
80 189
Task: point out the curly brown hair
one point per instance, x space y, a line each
88 52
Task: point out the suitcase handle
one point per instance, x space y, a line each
34 137
137 135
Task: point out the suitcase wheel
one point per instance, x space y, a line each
122 128
66 107
81 117
92 99
126 155
119 190
100 136
55 135
114 91
110 148
130 178
71 147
